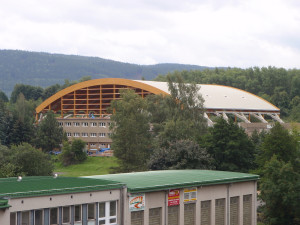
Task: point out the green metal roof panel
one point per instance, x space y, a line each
167 179
4 204
36 186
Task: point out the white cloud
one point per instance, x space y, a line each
209 32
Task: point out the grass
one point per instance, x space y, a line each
92 166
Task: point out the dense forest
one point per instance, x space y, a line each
277 85
44 69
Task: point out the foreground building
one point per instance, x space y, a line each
173 197
82 109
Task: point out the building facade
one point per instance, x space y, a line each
83 110
178 197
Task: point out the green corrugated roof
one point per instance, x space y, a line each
167 179
36 186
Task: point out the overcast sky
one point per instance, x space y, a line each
235 33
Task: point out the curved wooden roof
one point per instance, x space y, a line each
117 83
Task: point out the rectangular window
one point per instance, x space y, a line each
38 217
84 134
205 212
189 214
25 218
173 215
93 135
155 216
234 210
107 213
68 124
137 218
247 209
13 218
76 134
220 211
53 216
69 135
102 124
101 134
66 214
77 215
85 124
76 124
93 124
93 145
109 134
60 124
91 214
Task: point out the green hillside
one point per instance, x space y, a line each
44 69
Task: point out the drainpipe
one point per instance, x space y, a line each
228 204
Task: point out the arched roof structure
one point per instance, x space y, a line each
95 96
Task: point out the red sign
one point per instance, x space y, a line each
173 197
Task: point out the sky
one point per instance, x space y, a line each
227 33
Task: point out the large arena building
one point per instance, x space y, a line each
82 108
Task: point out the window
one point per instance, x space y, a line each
220 211
234 210
53 216
69 135
101 134
68 124
93 135
109 134
13 218
93 124
93 145
77 215
247 209
76 124
76 134
205 212
85 124
107 213
38 217
25 218
84 134
155 216
189 214
137 218
102 124
91 214
173 215
66 215
60 124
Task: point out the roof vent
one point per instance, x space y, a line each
19 178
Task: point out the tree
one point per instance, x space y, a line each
74 153
49 134
30 92
278 142
178 116
24 160
3 96
31 162
130 131
181 154
230 146
280 188
279 167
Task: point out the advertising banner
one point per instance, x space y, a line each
173 197
190 194
137 202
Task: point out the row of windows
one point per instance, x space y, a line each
96 213
76 134
155 214
84 124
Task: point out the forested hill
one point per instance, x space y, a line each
44 69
